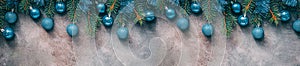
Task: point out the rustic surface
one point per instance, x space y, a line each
162 45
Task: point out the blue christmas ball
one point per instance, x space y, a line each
107 21
285 15
60 7
149 16
101 8
10 17
8 33
195 7
258 33
72 30
47 24
296 26
35 13
207 30
243 21
183 23
236 7
122 33
170 13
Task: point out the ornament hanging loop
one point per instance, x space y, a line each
30 7
2 30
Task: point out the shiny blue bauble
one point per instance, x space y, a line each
72 30
195 7
170 13
207 30
285 15
149 16
101 8
236 7
243 21
296 26
60 7
47 24
35 13
11 17
183 23
107 21
258 33
122 33
8 33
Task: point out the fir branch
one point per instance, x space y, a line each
72 7
274 18
3 9
49 10
247 7
274 12
138 18
256 19
24 5
113 5
209 11
229 21
186 5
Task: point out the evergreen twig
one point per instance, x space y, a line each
49 10
72 7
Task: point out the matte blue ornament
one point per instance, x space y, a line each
11 17
183 23
236 7
101 8
207 30
296 26
170 13
149 16
72 30
243 21
35 13
258 33
60 7
107 21
285 15
47 24
8 33
122 33
195 7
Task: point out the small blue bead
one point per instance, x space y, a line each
122 33
60 7
296 26
107 21
243 21
183 24
35 13
258 33
285 15
11 17
72 30
170 13
149 16
47 24
236 7
101 8
195 7
207 30
8 33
